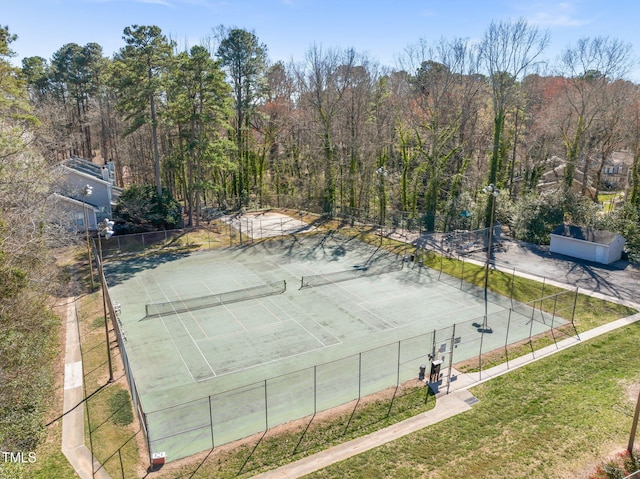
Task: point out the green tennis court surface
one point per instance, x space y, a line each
294 326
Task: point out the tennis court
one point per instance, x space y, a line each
226 343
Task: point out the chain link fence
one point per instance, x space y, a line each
394 368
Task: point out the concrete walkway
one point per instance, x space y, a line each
73 447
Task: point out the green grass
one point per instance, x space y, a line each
551 419
108 414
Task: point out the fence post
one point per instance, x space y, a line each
266 407
213 444
506 337
453 341
398 371
513 284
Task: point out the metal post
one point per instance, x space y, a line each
213 444
104 306
453 343
359 375
506 338
634 426
87 191
398 372
266 407
493 192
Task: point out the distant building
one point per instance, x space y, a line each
553 179
616 171
76 174
589 244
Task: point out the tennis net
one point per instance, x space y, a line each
208 301
346 275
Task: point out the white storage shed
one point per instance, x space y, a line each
589 244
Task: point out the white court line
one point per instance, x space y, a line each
73 375
247 368
299 311
165 326
361 300
195 343
228 311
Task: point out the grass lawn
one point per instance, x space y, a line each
114 441
555 418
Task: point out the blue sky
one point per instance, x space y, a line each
380 28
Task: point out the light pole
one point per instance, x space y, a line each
105 228
493 192
86 191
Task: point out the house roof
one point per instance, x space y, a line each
68 199
585 234
84 166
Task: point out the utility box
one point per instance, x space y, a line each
158 459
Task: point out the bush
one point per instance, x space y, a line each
618 468
140 209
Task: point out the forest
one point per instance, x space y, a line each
218 125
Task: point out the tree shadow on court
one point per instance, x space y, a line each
119 271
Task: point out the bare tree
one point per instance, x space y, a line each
509 50
441 112
322 82
588 68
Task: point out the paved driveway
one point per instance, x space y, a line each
620 279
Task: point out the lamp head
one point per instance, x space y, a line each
491 190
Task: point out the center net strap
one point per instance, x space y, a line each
202 302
